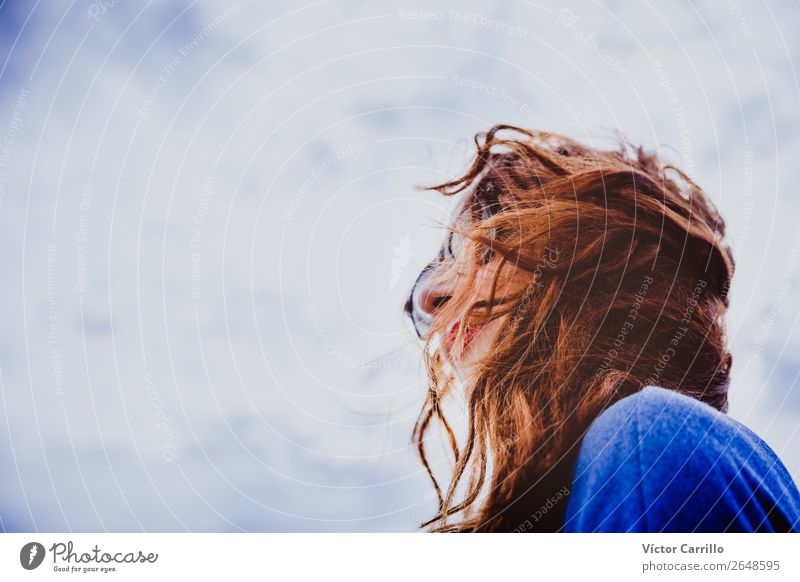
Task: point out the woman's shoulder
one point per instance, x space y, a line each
662 461
670 418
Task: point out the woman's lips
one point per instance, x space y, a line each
469 335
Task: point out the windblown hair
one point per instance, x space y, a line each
611 275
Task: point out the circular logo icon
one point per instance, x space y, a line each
31 555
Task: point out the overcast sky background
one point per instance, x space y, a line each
209 224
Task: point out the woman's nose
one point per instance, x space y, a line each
433 295
425 299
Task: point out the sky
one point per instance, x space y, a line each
210 218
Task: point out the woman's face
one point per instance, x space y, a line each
430 295
431 292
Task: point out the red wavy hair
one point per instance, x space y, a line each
611 276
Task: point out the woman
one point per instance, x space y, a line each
579 303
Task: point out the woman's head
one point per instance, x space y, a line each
570 277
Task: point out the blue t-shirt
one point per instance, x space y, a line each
660 461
